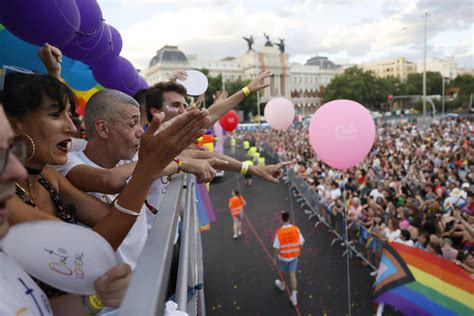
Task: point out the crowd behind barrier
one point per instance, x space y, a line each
150 285
415 187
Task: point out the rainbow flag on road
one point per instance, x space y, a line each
416 282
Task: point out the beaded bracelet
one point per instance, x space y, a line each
180 165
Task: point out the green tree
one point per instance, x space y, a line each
358 85
247 105
414 83
464 85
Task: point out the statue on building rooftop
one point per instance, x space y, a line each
250 41
281 45
269 42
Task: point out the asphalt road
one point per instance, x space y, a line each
239 274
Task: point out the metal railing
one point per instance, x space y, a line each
333 219
146 294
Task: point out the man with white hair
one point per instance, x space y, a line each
112 124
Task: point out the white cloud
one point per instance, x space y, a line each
365 31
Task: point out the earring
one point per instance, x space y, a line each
33 146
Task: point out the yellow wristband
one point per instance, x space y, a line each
246 91
95 302
245 167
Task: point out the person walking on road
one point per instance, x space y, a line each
236 207
288 242
233 142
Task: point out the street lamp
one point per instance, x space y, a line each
258 106
424 68
443 93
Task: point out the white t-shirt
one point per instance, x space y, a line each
19 293
335 194
132 246
276 242
391 235
78 144
375 194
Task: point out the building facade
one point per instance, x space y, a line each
398 68
446 67
303 84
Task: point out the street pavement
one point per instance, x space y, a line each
239 274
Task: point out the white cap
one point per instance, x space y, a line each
466 185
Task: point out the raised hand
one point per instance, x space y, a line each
270 173
111 286
197 103
178 74
51 57
158 147
219 96
259 82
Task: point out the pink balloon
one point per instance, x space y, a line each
279 113
342 133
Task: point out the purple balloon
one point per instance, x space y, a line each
140 84
113 50
87 48
143 83
38 22
91 16
119 75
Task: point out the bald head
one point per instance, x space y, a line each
106 105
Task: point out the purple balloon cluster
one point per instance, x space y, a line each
78 29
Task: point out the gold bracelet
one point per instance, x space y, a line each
246 91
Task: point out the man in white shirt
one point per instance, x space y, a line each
377 193
112 123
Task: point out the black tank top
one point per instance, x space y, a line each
66 213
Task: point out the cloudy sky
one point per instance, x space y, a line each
346 31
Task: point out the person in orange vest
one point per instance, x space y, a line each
236 207
288 242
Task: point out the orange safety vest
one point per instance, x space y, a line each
236 204
290 244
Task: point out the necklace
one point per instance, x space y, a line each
32 189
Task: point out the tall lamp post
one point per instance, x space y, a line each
442 97
258 107
424 68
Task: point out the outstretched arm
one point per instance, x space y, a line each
269 173
218 109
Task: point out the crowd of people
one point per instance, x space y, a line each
113 182
415 186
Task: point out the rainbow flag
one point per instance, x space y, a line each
206 213
416 282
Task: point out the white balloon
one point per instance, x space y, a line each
196 83
66 256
